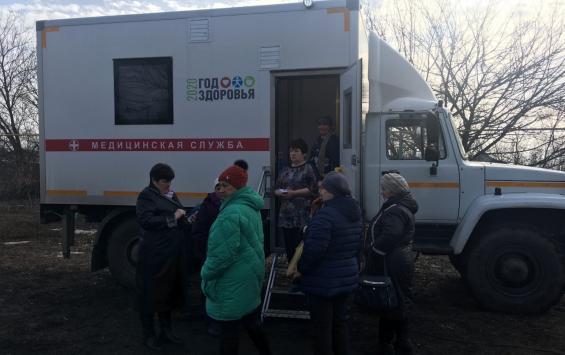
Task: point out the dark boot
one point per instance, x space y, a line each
152 343
385 349
403 345
150 339
167 334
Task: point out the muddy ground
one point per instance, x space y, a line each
51 305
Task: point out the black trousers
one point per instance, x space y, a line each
292 237
329 322
229 337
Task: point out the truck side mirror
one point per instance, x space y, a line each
431 153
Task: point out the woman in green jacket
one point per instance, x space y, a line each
232 275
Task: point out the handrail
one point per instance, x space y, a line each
263 182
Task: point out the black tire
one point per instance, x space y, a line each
122 252
515 270
459 262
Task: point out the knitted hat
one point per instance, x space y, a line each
336 184
235 176
394 183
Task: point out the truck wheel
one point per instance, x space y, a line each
122 252
459 262
515 270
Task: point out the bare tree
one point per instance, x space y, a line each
18 99
502 73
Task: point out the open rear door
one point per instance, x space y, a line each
350 125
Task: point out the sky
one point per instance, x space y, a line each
34 10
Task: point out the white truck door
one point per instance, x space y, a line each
350 125
404 139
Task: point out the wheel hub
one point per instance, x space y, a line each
514 270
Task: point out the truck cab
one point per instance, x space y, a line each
501 225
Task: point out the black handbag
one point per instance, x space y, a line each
376 292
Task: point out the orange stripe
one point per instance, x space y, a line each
121 193
345 12
135 193
542 184
192 194
44 35
433 185
66 192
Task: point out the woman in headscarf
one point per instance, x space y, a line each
159 270
390 236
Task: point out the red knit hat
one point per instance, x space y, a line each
235 176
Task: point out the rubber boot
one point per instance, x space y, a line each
150 339
167 334
403 344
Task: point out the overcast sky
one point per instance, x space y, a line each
55 9
35 10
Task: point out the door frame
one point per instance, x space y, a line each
270 202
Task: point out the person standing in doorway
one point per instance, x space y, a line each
295 186
325 150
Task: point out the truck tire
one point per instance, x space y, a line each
459 262
122 252
515 270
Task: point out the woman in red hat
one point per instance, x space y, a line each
232 275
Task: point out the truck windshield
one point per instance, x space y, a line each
457 137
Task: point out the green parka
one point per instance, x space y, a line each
232 275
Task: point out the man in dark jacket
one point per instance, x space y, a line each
325 150
329 265
391 232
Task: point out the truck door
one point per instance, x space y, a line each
350 125
405 138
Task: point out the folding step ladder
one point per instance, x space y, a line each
277 272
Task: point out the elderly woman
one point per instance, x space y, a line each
329 264
159 280
232 275
295 185
391 232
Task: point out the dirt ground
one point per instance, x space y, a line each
51 305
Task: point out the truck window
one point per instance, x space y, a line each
143 91
406 139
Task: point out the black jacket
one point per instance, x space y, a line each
393 226
391 231
161 235
332 155
329 263
206 216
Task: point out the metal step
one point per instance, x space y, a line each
286 291
287 313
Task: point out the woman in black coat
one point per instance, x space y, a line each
390 234
159 270
329 265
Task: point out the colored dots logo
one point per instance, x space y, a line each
237 81
249 81
225 82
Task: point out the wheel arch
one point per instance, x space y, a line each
109 223
544 212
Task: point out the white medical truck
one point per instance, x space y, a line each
200 89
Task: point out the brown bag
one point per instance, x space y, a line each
293 264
